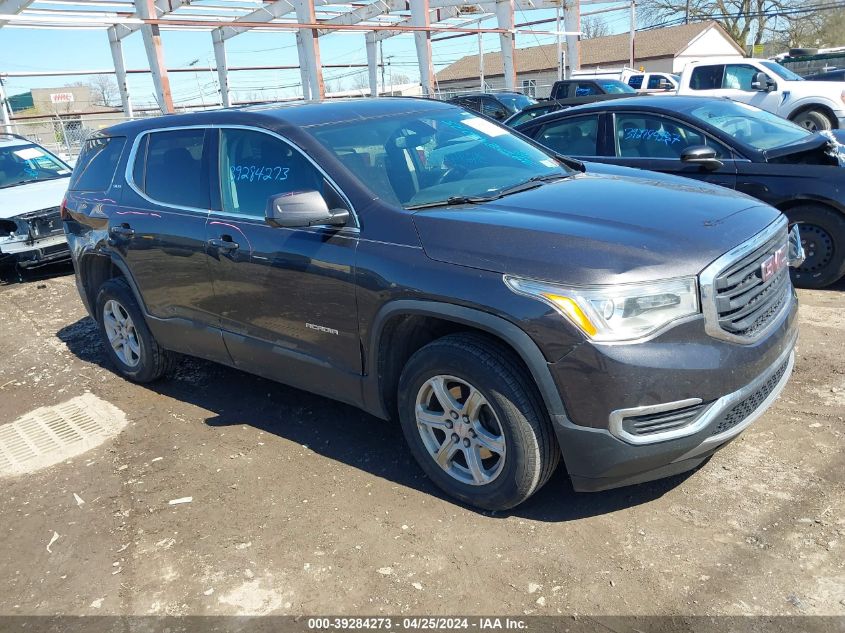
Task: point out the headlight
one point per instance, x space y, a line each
620 312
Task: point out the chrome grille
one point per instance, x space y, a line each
739 302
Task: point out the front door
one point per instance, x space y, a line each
285 297
656 142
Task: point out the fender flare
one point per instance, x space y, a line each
815 105
510 333
118 262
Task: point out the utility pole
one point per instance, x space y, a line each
559 45
480 58
686 19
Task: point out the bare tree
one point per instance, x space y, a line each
104 91
593 26
360 81
747 21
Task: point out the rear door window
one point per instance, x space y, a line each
635 81
707 77
586 90
573 137
96 165
171 168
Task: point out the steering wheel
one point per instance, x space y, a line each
453 173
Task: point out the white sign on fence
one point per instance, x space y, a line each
61 97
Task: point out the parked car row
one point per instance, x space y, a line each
726 143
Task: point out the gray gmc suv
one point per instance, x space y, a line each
509 307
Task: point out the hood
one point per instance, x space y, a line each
32 196
597 227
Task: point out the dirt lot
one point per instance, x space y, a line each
304 506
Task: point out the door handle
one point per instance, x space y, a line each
223 244
122 230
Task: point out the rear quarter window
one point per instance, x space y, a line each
97 163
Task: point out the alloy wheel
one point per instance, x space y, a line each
121 333
460 430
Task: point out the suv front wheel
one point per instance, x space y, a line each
128 341
475 423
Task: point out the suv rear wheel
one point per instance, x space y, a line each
475 423
813 120
128 341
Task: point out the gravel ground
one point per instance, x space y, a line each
300 505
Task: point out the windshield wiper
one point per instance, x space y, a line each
531 183
452 201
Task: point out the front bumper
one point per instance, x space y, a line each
736 382
31 254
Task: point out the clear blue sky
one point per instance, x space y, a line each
34 50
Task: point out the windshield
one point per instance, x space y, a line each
749 125
612 86
782 71
432 157
28 163
515 102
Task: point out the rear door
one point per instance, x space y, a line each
576 136
160 231
285 297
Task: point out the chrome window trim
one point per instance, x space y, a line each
296 148
130 162
618 416
707 286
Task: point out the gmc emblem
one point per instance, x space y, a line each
773 264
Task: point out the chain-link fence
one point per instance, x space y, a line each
63 135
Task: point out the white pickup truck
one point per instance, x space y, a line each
815 105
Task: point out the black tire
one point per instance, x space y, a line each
531 450
823 237
153 360
815 120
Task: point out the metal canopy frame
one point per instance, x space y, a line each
376 20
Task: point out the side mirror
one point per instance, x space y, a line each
701 155
665 85
762 83
299 209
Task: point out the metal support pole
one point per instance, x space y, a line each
120 71
372 63
7 123
381 57
572 26
632 54
422 39
480 59
504 16
222 66
309 45
155 55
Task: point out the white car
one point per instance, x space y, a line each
815 105
32 185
